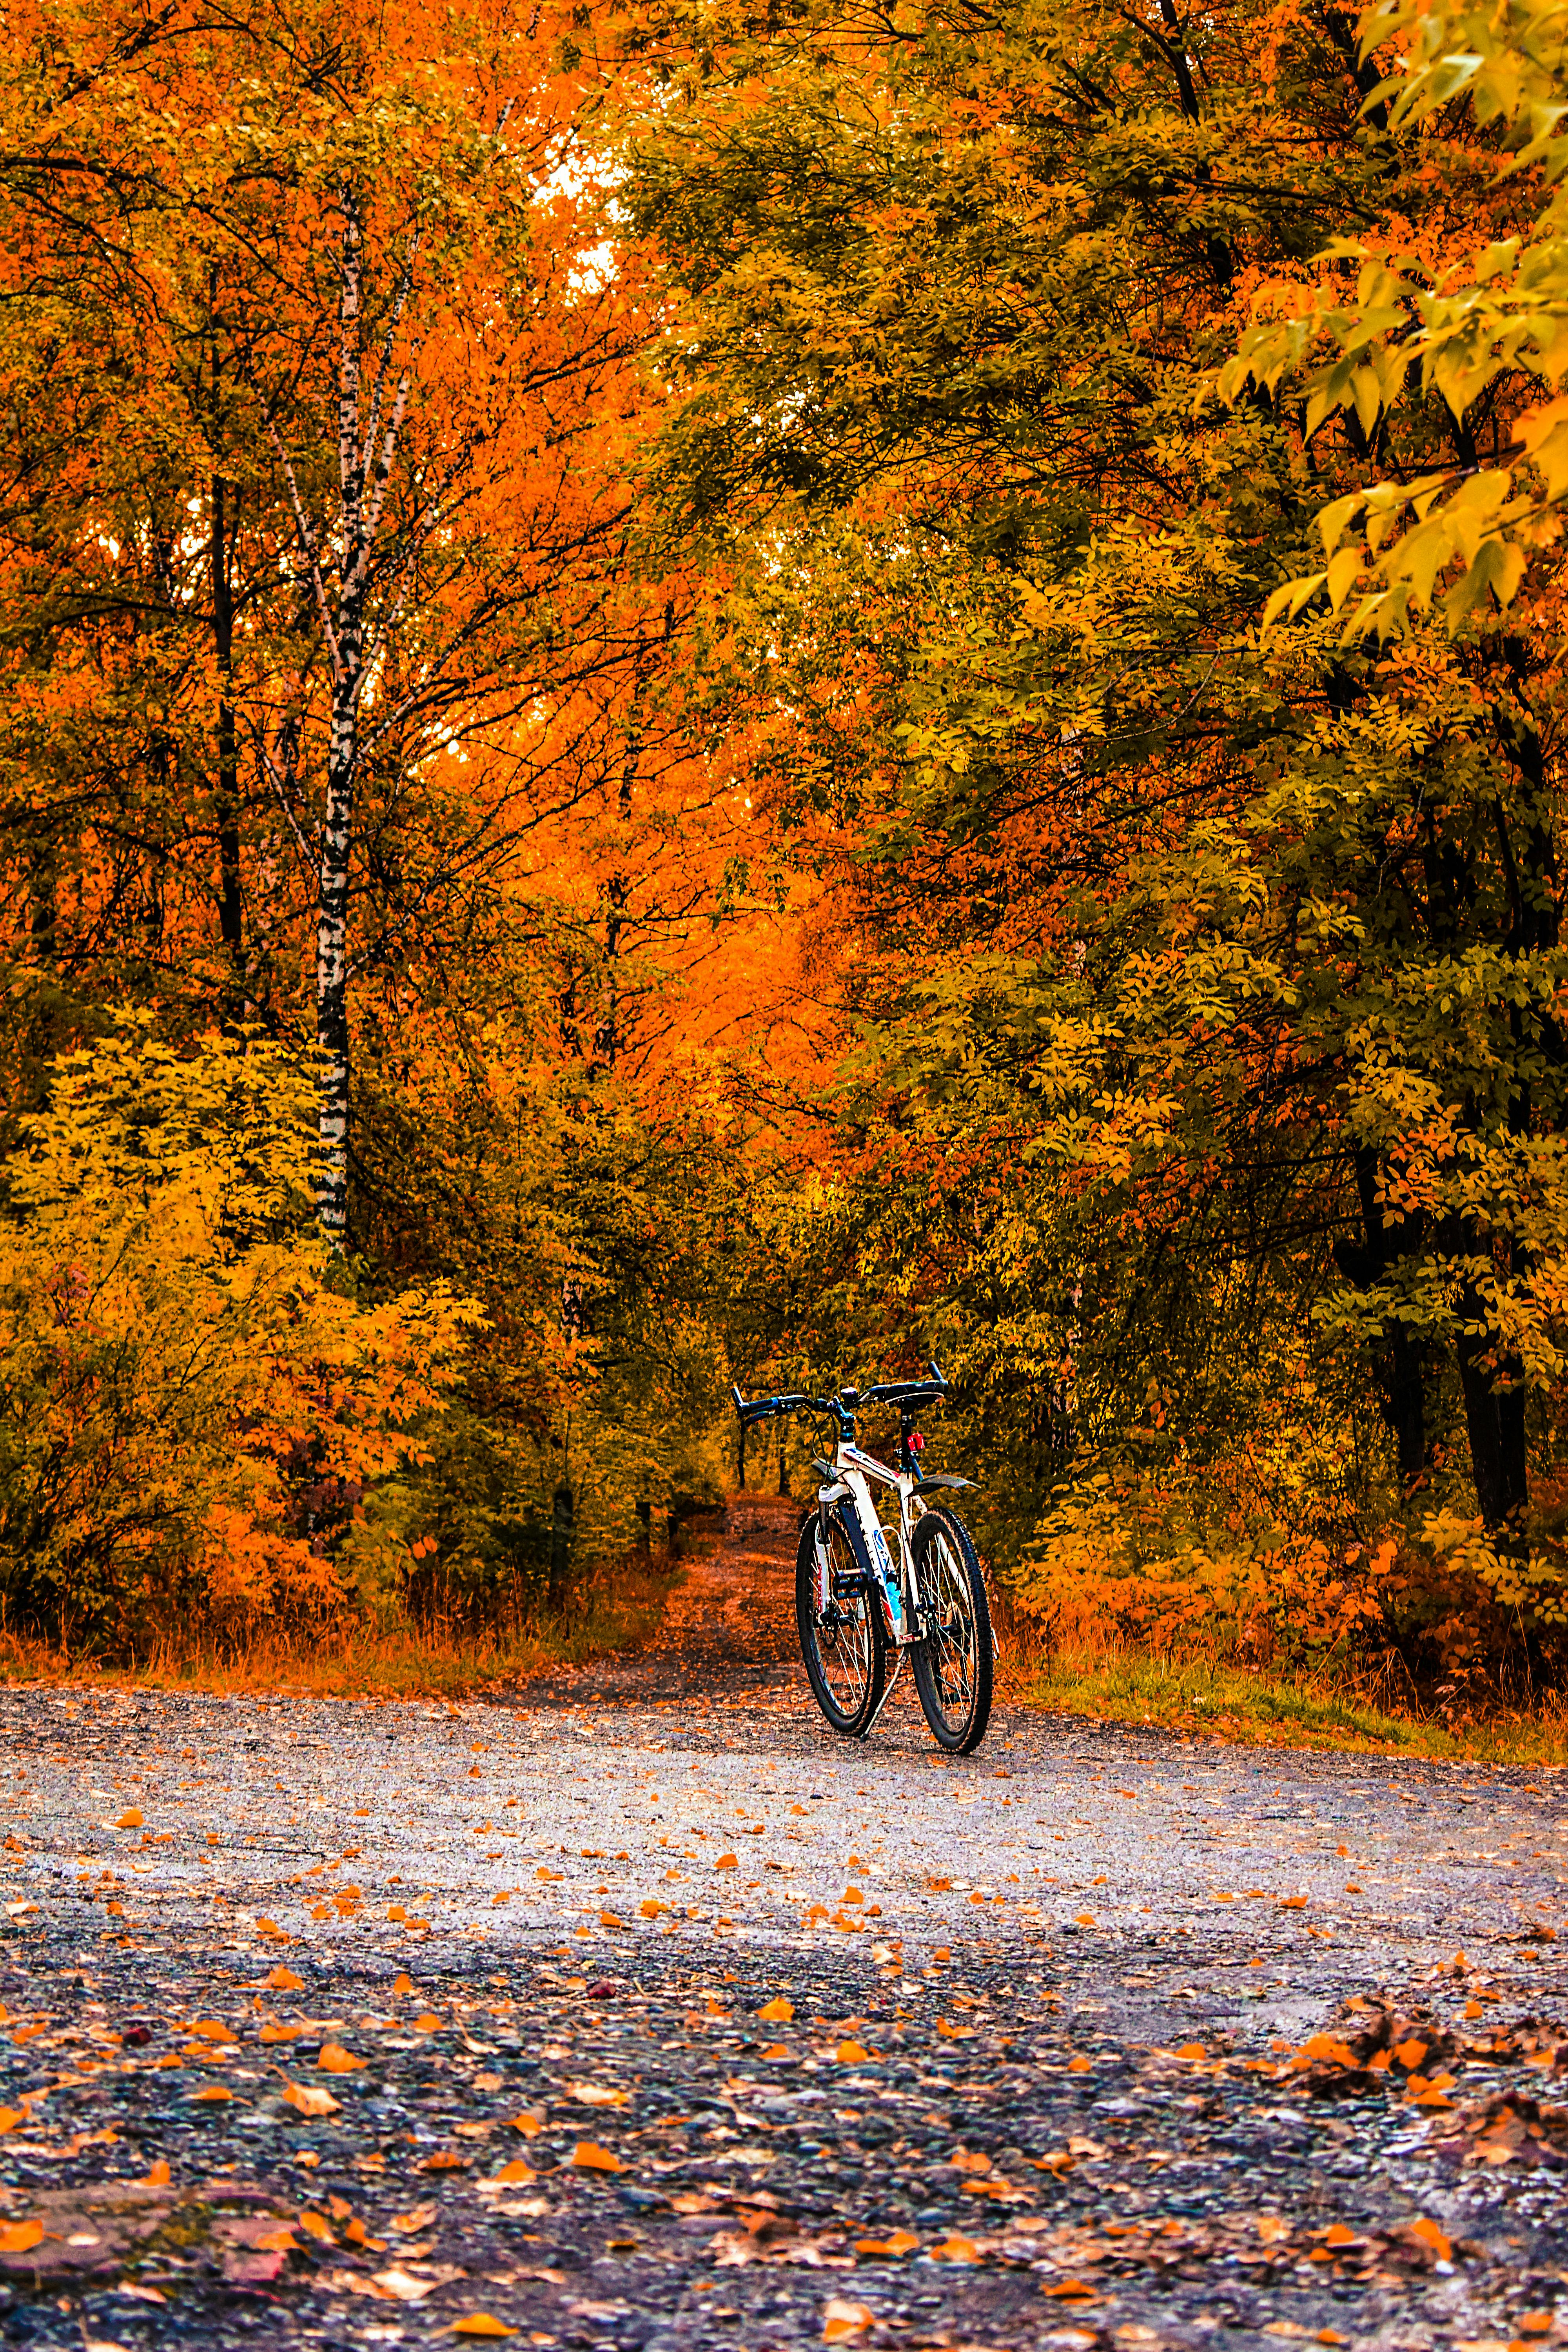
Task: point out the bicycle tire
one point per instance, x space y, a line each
847 1678
954 1662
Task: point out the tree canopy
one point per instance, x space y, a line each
815 686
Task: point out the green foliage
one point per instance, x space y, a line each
1205 975
1479 328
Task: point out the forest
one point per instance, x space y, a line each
701 696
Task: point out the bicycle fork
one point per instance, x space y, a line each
876 1565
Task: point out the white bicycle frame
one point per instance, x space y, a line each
852 1470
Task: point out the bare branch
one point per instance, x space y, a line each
384 473
351 470
279 779
308 540
383 366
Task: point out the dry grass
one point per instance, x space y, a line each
1218 1699
617 1611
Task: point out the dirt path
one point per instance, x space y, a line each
729 1625
648 2018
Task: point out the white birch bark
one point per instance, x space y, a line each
365 460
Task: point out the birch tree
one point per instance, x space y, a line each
368 447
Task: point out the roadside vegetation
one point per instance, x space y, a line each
692 700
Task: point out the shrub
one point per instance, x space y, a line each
193 1402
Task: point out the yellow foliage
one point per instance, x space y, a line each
1141 1560
178 1350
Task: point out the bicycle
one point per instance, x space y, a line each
854 1606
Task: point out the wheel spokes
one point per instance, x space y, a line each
844 1648
952 1643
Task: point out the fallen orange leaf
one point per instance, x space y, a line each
310 2102
589 2156
778 2011
11 2116
335 2060
1078 2066
20 2237
728 1862
1431 2235
282 1979
480 2323
528 2125
897 2244
131 1819
1193 2050
851 2054
317 2226
1410 2053
212 2090
954 2248
402 1984
515 2171
160 2174
409 2225
841 2319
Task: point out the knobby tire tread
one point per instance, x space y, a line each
849 1727
965 1741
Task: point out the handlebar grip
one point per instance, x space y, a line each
739 1399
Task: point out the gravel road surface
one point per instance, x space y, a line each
635 2013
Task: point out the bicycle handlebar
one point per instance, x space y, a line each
847 1401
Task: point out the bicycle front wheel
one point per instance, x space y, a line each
844 1646
955 1660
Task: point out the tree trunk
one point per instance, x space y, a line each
367 450
43 908
1401 1375
231 907
1495 1421
563 1519
332 987
337 816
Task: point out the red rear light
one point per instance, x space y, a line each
917 1442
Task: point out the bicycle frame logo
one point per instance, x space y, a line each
852 1470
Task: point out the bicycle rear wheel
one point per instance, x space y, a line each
954 1662
844 1646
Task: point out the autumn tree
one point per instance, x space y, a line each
1157 930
